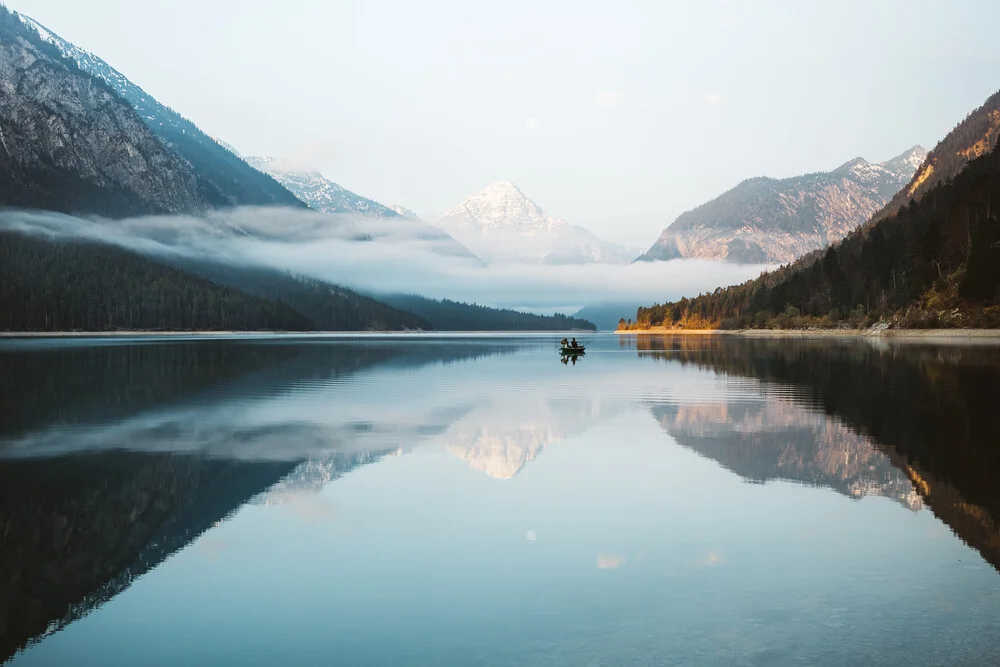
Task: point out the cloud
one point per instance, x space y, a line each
609 99
531 123
384 256
531 536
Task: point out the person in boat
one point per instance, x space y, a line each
574 344
564 342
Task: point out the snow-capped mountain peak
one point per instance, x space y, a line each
863 170
500 223
908 162
500 206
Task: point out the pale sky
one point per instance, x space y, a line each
615 116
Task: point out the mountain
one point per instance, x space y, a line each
932 415
64 286
933 263
70 143
445 315
405 212
56 286
327 307
223 177
976 135
318 192
768 220
502 224
800 444
322 194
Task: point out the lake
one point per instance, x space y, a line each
474 500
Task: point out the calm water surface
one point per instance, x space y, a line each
474 501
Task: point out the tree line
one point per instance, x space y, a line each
447 315
58 286
935 262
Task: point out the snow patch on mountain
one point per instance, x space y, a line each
405 212
317 191
148 108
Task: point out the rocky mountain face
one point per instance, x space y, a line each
767 220
224 178
317 191
973 137
502 224
70 143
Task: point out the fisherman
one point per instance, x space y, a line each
564 342
574 344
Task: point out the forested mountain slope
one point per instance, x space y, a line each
55 286
935 262
62 286
976 135
445 315
327 307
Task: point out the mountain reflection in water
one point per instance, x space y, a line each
116 455
927 409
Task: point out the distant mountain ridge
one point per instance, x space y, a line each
405 212
767 220
317 191
321 194
500 223
224 178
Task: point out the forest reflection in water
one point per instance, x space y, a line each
114 456
930 409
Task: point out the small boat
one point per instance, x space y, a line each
573 350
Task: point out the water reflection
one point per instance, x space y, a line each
871 415
113 457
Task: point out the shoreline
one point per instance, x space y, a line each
209 334
820 333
